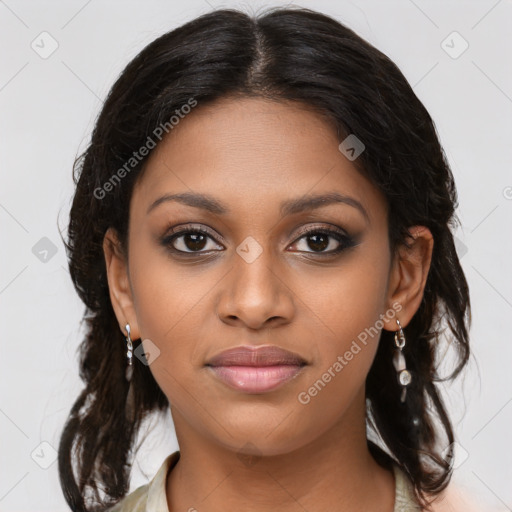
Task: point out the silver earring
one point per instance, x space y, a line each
404 376
129 354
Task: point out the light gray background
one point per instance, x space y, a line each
48 106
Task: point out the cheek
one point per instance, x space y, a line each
348 301
345 312
164 292
170 306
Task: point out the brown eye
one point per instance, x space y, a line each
323 241
318 242
191 240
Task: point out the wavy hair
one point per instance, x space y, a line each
283 54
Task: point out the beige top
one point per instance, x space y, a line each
152 496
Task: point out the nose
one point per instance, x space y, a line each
255 295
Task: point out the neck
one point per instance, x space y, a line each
335 471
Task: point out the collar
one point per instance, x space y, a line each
157 498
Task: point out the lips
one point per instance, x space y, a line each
256 356
256 370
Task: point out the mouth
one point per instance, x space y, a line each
256 369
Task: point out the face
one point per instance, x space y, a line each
257 265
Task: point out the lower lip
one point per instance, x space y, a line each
256 379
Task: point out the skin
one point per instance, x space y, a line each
252 154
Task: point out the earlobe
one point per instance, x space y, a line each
119 283
409 273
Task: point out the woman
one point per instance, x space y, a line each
261 234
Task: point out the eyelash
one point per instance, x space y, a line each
343 239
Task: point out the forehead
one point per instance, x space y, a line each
253 151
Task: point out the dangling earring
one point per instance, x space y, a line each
129 354
403 375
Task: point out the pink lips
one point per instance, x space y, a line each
256 369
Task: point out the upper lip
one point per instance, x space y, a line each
269 355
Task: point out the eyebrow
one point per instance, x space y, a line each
288 207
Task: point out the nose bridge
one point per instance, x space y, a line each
255 292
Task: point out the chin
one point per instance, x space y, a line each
256 441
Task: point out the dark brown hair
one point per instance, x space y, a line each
284 55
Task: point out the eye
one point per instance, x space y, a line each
324 241
190 240
320 240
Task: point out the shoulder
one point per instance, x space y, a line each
134 502
150 496
455 499
451 499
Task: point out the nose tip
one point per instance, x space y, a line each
256 296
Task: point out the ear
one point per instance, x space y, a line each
119 283
408 275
